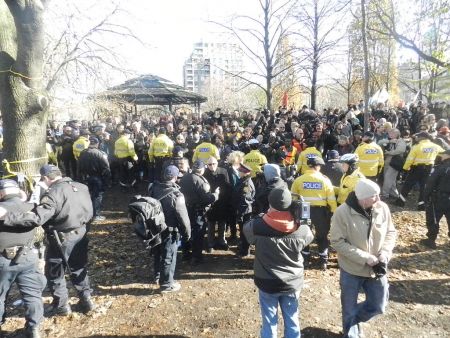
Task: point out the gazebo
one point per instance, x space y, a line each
150 90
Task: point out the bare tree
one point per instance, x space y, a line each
23 101
261 37
438 11
350 78
366 64
81 51
319 35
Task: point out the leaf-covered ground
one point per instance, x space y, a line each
219 299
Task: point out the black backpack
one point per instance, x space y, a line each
148 218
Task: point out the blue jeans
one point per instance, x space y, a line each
165 259
377 294
268 303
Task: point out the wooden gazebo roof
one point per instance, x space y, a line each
151 90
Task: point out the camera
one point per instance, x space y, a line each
380 269
301 210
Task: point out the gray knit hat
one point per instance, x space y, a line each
280 199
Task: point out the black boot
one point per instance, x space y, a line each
56 310
306 261
429 243
323 262
399 202
87 305
32 332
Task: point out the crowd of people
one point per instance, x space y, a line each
237 173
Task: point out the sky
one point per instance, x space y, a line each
171 27
167 29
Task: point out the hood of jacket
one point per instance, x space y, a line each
280 220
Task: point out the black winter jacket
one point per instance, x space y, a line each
174 206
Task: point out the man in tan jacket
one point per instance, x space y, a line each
364 236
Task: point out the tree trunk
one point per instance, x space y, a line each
269 65
419 70
22 101
366 65
315 63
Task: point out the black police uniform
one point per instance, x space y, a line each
196 191
18 263
177 220
65 208
95 172
437 191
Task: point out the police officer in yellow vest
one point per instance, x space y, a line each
160 150
310 152
317 189
418 164
205 150
371 158
78 146
254 159
81 143
350 178
126 158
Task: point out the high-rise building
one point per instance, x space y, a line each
213 63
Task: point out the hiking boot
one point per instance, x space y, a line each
429 243
399 202
323 264
87 304
173 288
32 332
64 310
223 246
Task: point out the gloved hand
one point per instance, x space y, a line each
382 257
372 260
216 193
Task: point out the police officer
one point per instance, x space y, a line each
177 220
126 159
318 190
160 150
309 152
205 150
81 143
437 193
419 163
64 211
371 158
255 161
18 261
350 178
94 170
196 191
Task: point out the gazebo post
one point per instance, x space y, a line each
170 106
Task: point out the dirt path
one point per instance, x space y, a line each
219 299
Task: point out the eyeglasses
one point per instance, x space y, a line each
211 164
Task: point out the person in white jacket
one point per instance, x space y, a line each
363 235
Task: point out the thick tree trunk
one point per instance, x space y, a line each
366 65
22 101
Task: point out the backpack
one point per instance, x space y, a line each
148 218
